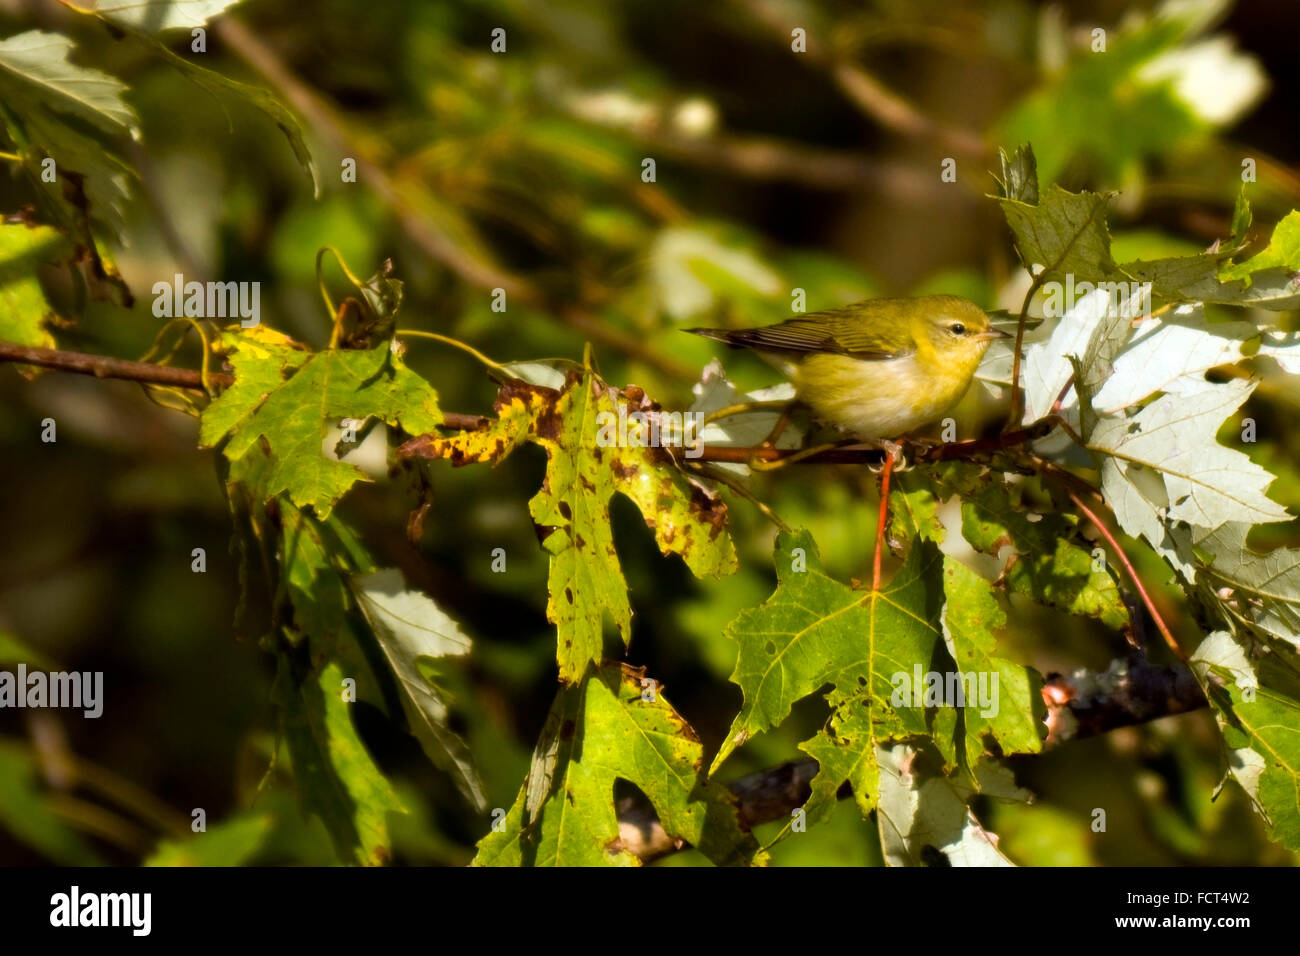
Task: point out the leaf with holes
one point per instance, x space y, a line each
295 416
815 631
605 729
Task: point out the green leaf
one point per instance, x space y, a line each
232 842
35 66
1262 590
1282 252
144 19
294 418
599 731
1065 233
1267 281
1019 179
1042 232
1261 731
261 361
871 648
54 109
914 510
1046 564
970 618
311 577
336 776
411 628
1242 217
23 308
1066 236
263 100
815 631
1196 278
587 463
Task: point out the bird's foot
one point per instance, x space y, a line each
894 451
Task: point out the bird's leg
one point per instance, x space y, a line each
893 453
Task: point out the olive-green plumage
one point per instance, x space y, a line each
878 368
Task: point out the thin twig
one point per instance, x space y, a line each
1133 575
1017 394
147 373
103 366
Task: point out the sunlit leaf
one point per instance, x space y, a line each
604 729
410 627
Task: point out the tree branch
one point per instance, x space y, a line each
916 452
149 373
103 366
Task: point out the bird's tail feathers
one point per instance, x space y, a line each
721 335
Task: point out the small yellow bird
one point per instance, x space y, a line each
878 368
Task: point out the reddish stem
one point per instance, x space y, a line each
1137 582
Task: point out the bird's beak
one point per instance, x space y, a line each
991 334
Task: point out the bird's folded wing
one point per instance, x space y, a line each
816 332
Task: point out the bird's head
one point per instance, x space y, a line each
953 332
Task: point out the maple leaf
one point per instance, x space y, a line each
293 406
813 631
601 730
571 511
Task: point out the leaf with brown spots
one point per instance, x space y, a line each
584 470
600 731
517 407
586 465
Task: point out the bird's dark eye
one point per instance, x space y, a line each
957 329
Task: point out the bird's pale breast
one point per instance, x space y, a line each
877 398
